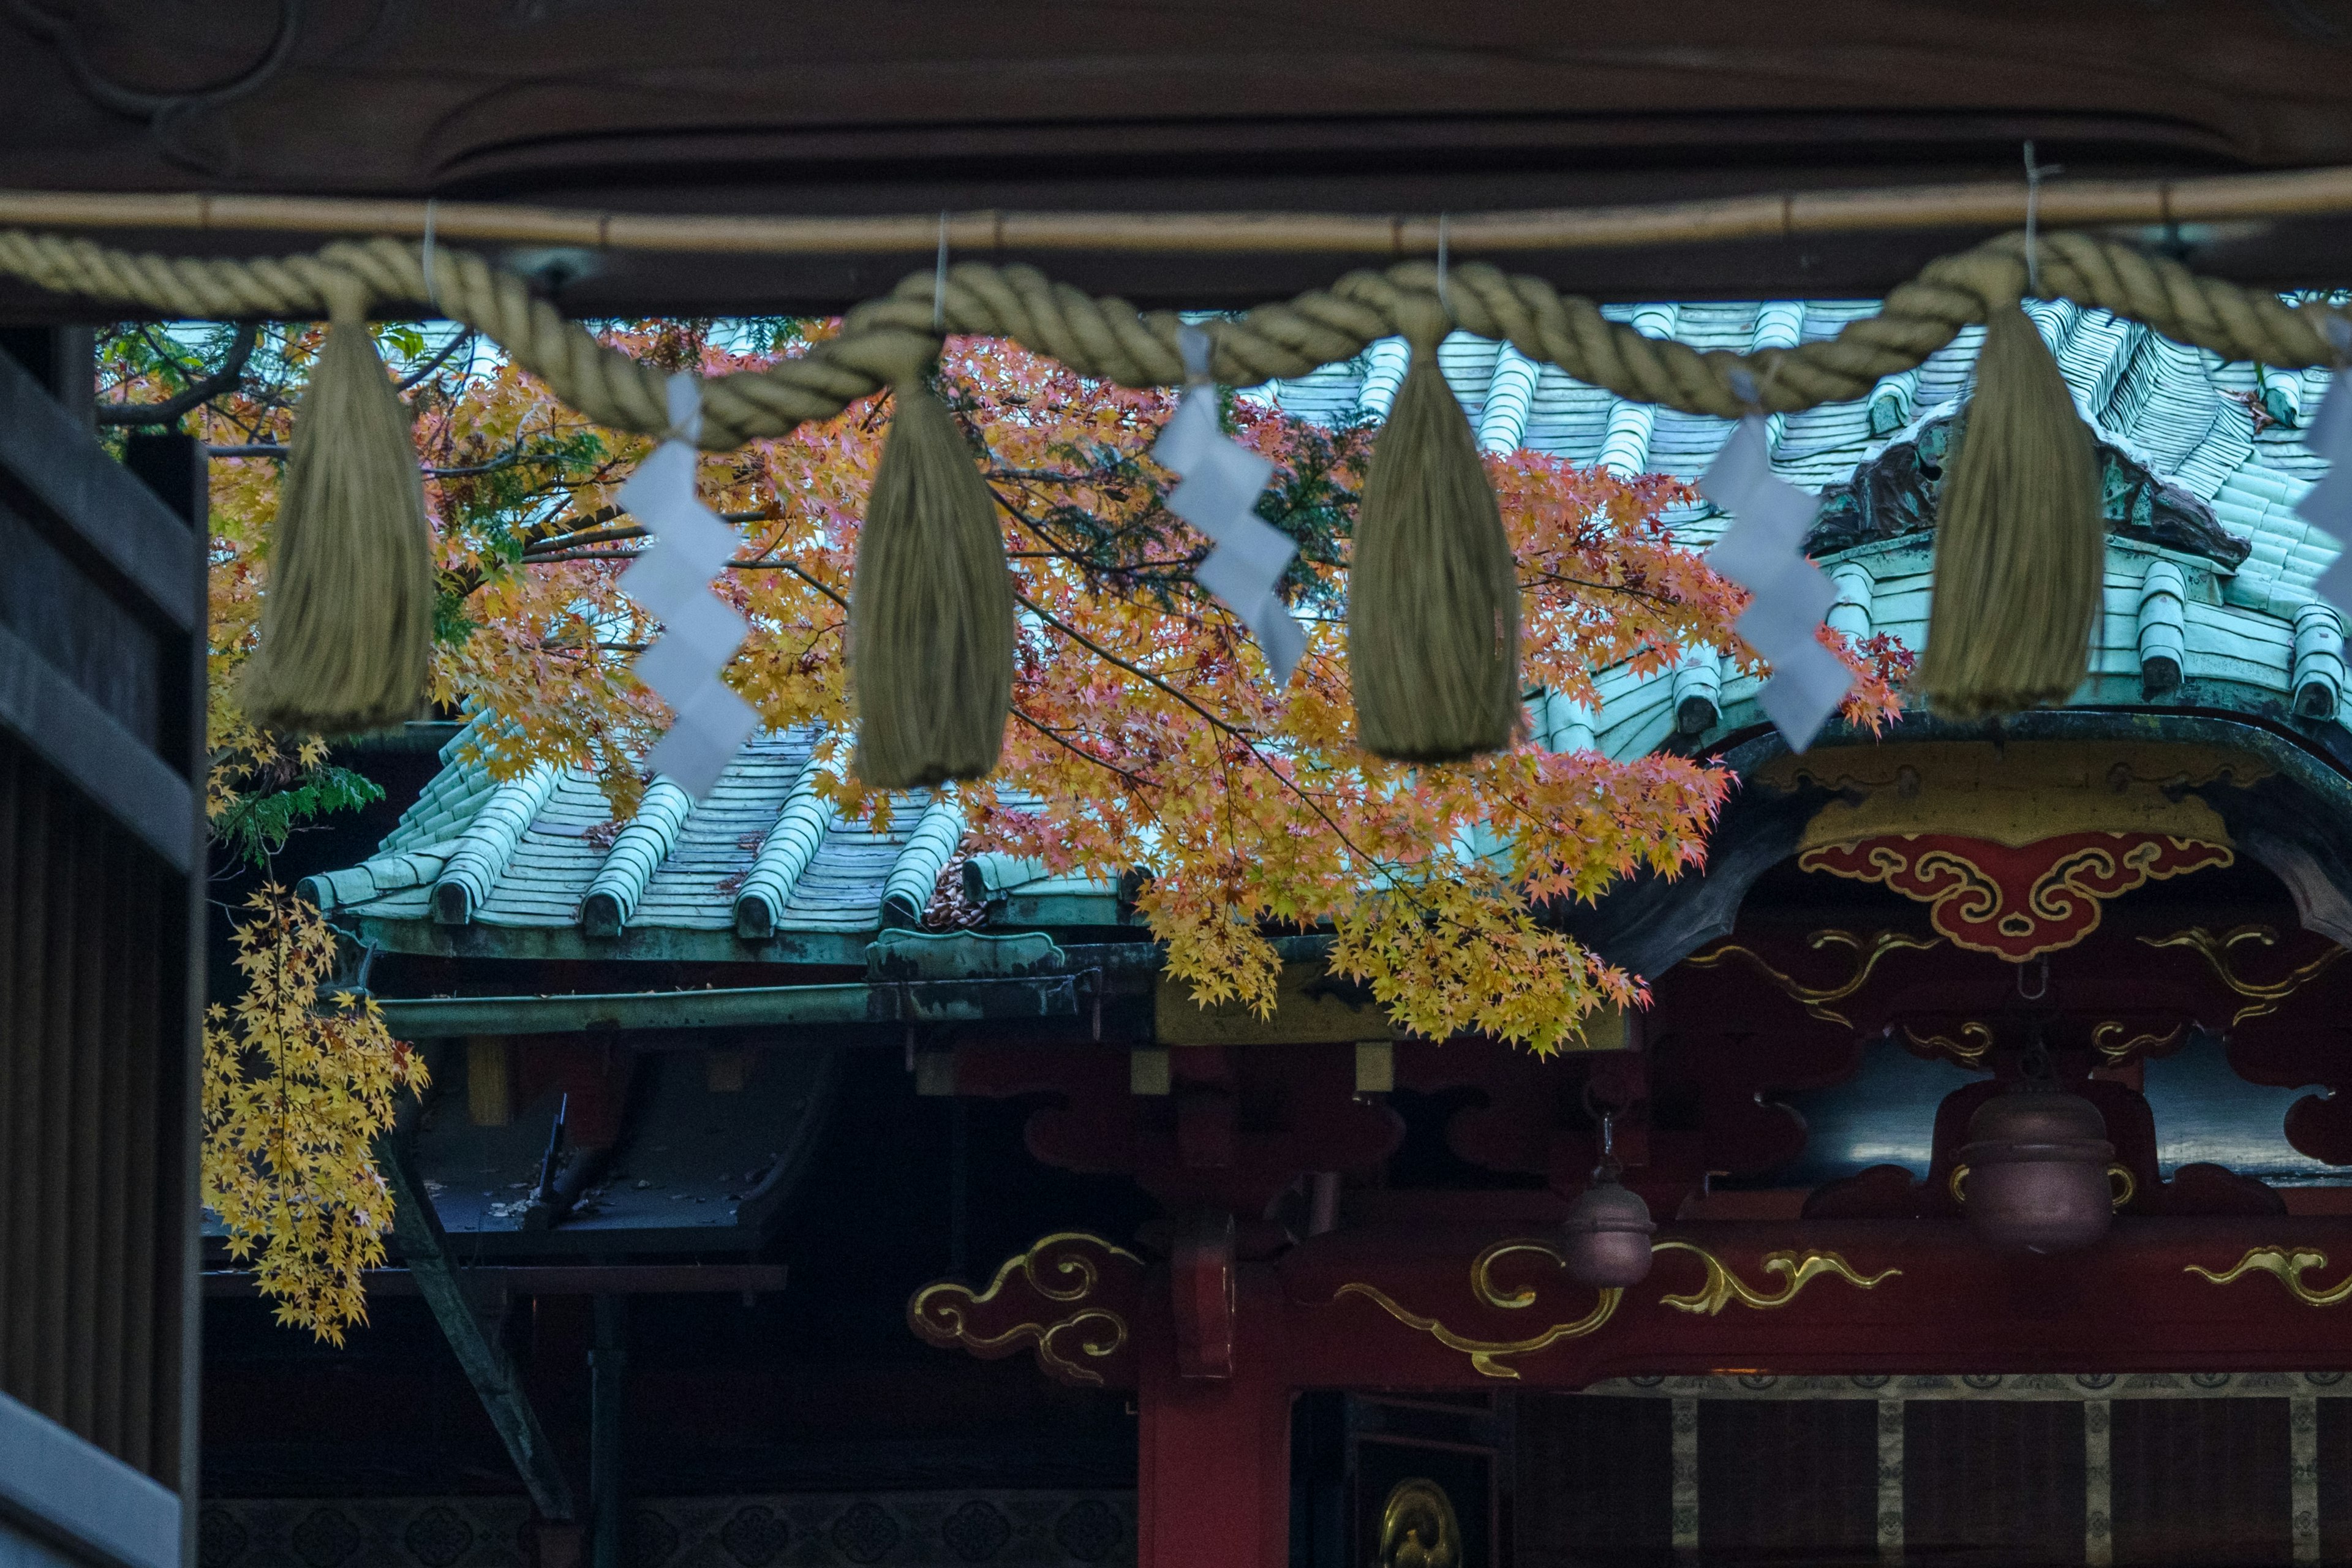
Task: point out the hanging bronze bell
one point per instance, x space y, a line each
1609 1230
2034 1174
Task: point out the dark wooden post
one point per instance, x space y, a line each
608 1375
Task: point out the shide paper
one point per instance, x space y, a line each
672 581
1218 495
1763 551
2328 506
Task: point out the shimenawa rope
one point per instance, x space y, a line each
887 342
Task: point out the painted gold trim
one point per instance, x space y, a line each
1979 1035
2116 1053
2288 1267
1483 1353
2015 793
1816 1000
939 1312
1723 1287
2215 949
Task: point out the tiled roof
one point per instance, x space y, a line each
756 872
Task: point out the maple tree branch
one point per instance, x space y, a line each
435 362
203 390
1137 780
1553 579
1141 674
1248 740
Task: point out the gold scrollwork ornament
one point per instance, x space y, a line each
940 1313
1483 1353
1796 1270
1968 1048
2216 949
2288 1266
2115 1048
1816 1000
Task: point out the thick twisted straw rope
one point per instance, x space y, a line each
1109 339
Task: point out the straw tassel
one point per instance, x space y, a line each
931 606
347 622
2021 546
1432 595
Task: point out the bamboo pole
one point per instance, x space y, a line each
1784 215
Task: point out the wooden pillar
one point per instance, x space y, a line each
1213 1487
608 1366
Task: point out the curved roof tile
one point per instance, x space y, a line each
2187 417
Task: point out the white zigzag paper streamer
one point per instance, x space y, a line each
2328 506
1222 481
1763 551
672 580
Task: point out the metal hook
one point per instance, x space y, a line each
1604 1115
2044 990
1444 301
940 281
432 295
2036 173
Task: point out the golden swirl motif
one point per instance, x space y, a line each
1723 1287
2288 1267
1978 1035
940 1313
2216 947
1482 1352
1816 1001
2117 1052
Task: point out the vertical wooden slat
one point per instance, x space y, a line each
11 878
2207 1482
1991 1482
13 1085
142 1417
43 1141
24 1086
1595 1481
76 1214
91 1244
160 1148
57 1109
115 1284
1792 1478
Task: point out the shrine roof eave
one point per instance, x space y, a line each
2289 810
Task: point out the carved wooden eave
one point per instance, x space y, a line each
2281 798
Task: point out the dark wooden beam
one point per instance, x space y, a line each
499 1281
417 1230
914 106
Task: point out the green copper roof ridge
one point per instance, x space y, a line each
792 842
916 872
481 855
636 854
